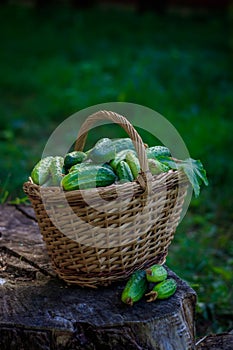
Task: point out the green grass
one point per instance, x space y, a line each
56 64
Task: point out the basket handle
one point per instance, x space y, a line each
144 174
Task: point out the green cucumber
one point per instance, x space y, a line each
157 167
123 172
40 172
133 162
48 182
120 156
156 273
103 151
108 166
162 290
123 144
56 169
157 151
73 158
135 288
88 176
80 165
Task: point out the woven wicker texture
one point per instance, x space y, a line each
98 236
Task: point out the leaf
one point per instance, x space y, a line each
193 169
195 173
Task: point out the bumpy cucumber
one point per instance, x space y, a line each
135 288
156 273
162 290
55 170
107 166
133 162
73 158
120 156
123 172
85 164
88 177
122 144
40 172
48 182
103 151
157 151
157 167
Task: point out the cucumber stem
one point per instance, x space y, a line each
152 296
129 301
149 272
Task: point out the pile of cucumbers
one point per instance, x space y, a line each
139 282
108 162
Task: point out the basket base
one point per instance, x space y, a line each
72 277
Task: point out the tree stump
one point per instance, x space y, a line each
222 341
39 311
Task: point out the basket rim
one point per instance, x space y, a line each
181 179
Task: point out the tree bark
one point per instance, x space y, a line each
39 311
223 341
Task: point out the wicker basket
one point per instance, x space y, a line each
101 235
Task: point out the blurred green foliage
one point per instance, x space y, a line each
59 62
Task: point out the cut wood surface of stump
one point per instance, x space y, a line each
39 311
